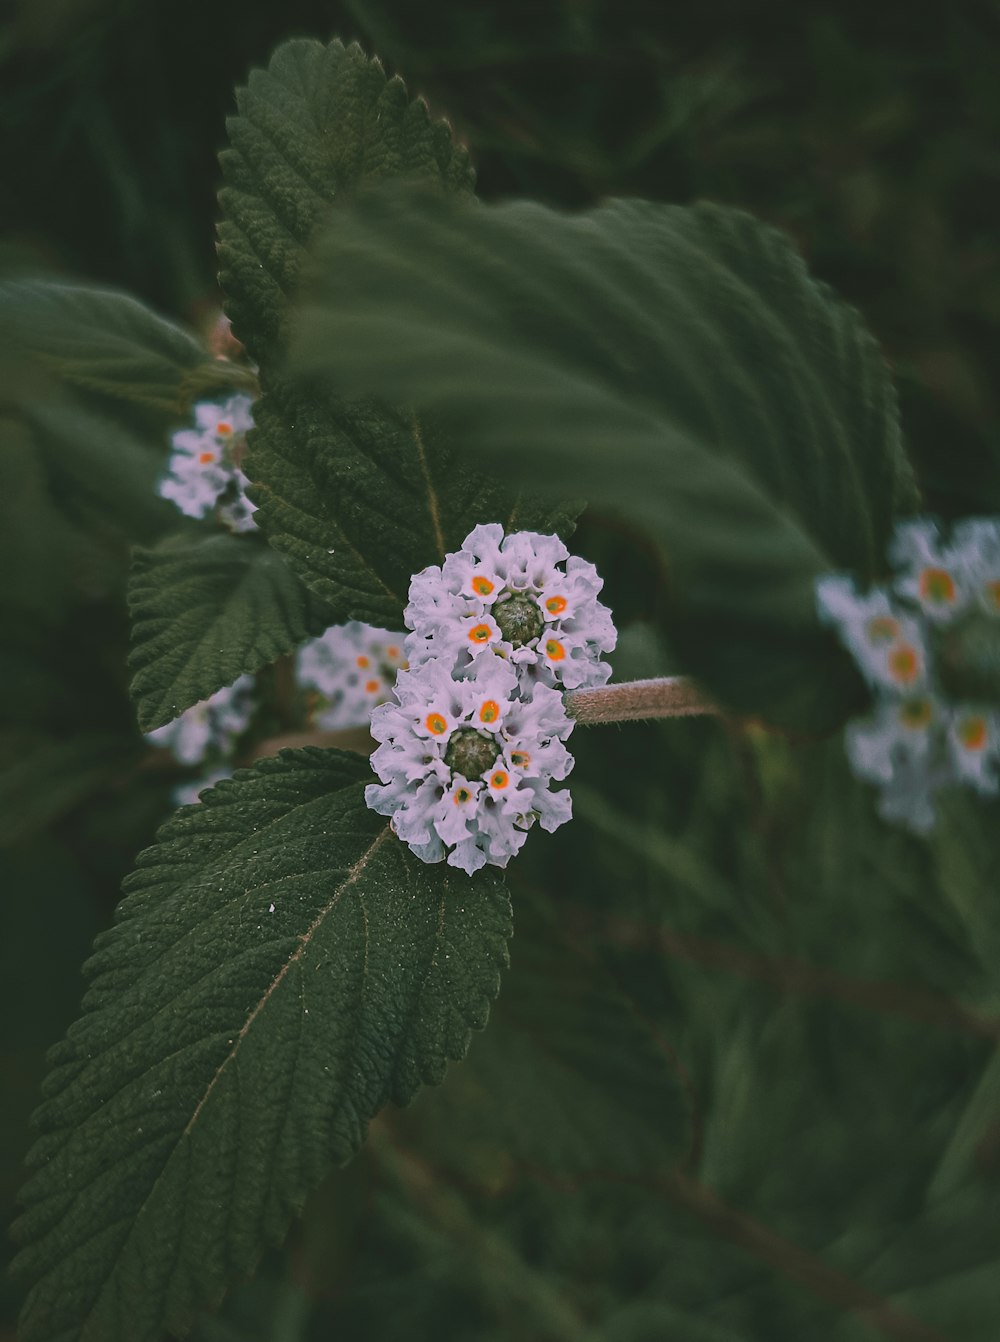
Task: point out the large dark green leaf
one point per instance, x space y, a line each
281 968
357 498
319 123
205 612
676 363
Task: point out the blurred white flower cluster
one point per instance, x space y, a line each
344 674
929 645
204 471
474 738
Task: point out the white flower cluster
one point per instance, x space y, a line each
204 470
351 668
207 731
920 737
475 737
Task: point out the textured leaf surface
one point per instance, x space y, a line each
206 612
100 340
281 968
677 363
319 123
358 498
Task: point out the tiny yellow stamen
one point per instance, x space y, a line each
937 584
555 605
482 633
490 711
436 724
482 585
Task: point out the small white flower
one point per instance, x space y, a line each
210 727
204 468
887 642
929 573
899 730
466 765
976 542
352 667
523 597
974 747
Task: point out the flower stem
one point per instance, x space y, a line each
669 697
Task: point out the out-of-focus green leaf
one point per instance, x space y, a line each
100 340
42 777
678 364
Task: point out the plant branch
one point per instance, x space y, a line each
667 697
798 1264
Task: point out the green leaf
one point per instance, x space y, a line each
42 777
281 968
99 340
569 1080
357 498
206 611
675 363
319 123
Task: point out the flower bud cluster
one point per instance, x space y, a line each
474 737
936 720
204 471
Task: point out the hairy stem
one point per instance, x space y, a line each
668 697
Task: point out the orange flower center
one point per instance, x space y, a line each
499 779
490 711
937 584
482 586
904 664
462 794
363 662
520 758
223 428
482 633
555 605
972 733
436 724
554 650
372 686
206 457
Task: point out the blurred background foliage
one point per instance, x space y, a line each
823 987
